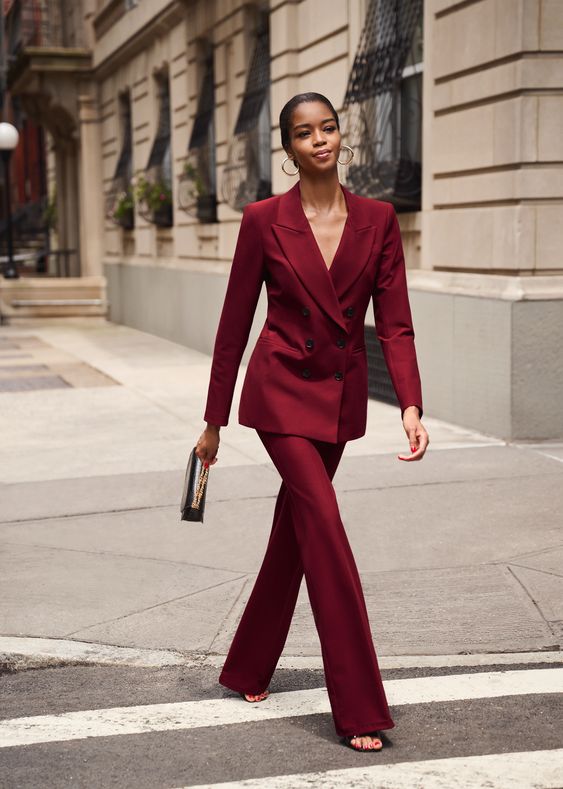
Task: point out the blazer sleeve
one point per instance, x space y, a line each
243 290
393 320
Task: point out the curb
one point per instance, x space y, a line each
23 654
20 654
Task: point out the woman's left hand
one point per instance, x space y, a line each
416 433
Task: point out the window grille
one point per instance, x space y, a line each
247 176
160 151
154 187
257 84
205 107
123 169
119 200
197 190
382 106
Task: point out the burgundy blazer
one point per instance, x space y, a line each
307 374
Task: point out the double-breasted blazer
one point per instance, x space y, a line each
307 374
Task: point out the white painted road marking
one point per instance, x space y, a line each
219 712
527 770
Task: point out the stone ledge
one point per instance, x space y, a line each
491 286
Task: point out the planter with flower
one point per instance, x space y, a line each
123 210
195 191
155 200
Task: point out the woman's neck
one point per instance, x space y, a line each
322 195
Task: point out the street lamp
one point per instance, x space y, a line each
9 137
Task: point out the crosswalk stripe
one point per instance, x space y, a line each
524 770
218 712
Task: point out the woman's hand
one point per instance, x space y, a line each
208 444
416 432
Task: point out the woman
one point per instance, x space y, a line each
324 253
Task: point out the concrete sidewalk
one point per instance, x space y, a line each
460 553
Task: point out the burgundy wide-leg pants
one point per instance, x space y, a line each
308 537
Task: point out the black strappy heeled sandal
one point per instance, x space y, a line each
375 734
254 701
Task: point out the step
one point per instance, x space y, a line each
40 297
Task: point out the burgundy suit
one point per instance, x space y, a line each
305 392
307 374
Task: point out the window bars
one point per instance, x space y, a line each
247 176
382 105
120 207
197 194
159 155
154 189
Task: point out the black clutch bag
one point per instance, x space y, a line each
195 488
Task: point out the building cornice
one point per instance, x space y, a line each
122 36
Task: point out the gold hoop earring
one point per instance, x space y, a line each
295 163
351 157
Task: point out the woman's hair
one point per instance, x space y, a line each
287 111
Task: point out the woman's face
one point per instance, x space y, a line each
313 129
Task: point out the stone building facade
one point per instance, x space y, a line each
163 90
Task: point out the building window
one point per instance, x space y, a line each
120 201
153 189
247 176
197 193
383 105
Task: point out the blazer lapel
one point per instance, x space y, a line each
295 236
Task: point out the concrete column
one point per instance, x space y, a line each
91 186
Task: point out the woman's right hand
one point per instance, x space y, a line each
208 444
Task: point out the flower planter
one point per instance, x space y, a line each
163 216
206 206
155 201
126 220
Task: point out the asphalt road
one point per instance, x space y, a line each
516 735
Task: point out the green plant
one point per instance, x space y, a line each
124 206
191 172
156 195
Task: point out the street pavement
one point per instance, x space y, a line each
115 616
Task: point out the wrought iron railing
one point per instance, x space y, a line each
44 23
32 253
44 262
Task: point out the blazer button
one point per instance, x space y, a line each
349 311
340 342
305 310
306 372
338 375
309 343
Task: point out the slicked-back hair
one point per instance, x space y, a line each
287 112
